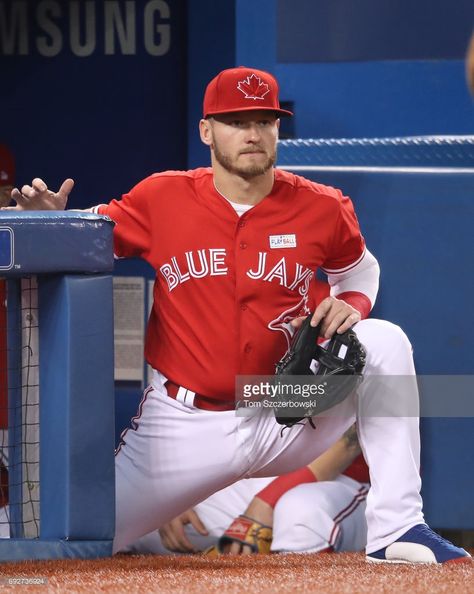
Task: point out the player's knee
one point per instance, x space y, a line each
382 335
297 523
297 526
292 508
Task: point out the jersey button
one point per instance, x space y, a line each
243 245
241 224
243 306
247 348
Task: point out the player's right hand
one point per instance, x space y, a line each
336 316
38 197
262 515
173 535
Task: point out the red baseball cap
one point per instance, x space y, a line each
7 166
242 89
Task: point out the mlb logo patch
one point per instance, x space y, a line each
283 241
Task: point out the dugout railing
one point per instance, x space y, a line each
58 435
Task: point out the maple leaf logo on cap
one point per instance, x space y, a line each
253 87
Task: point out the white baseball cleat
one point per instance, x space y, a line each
420 545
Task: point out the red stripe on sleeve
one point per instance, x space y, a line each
358 300
358 470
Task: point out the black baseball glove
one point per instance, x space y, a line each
341 363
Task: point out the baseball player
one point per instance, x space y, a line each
317 508
234 247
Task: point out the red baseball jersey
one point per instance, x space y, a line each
226 287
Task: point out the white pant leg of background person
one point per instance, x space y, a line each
314 517
176 455
4 522
216 512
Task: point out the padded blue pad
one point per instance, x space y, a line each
55 241
419 227
21 549
410 151
76 407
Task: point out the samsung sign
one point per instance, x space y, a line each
50 27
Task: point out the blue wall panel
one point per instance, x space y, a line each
419 226
413 90
77 407
378 99
344 30
211 48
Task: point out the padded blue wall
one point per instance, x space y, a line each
419 226
418 223
77 408
351 69
211 48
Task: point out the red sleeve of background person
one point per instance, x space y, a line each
284 483
7 167
358 470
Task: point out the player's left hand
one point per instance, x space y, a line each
173 535
337 315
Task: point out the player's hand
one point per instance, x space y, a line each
173 535
261 512
337 315
39 197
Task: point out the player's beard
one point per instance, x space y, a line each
248 171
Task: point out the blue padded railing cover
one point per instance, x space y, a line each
410 151
55 242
